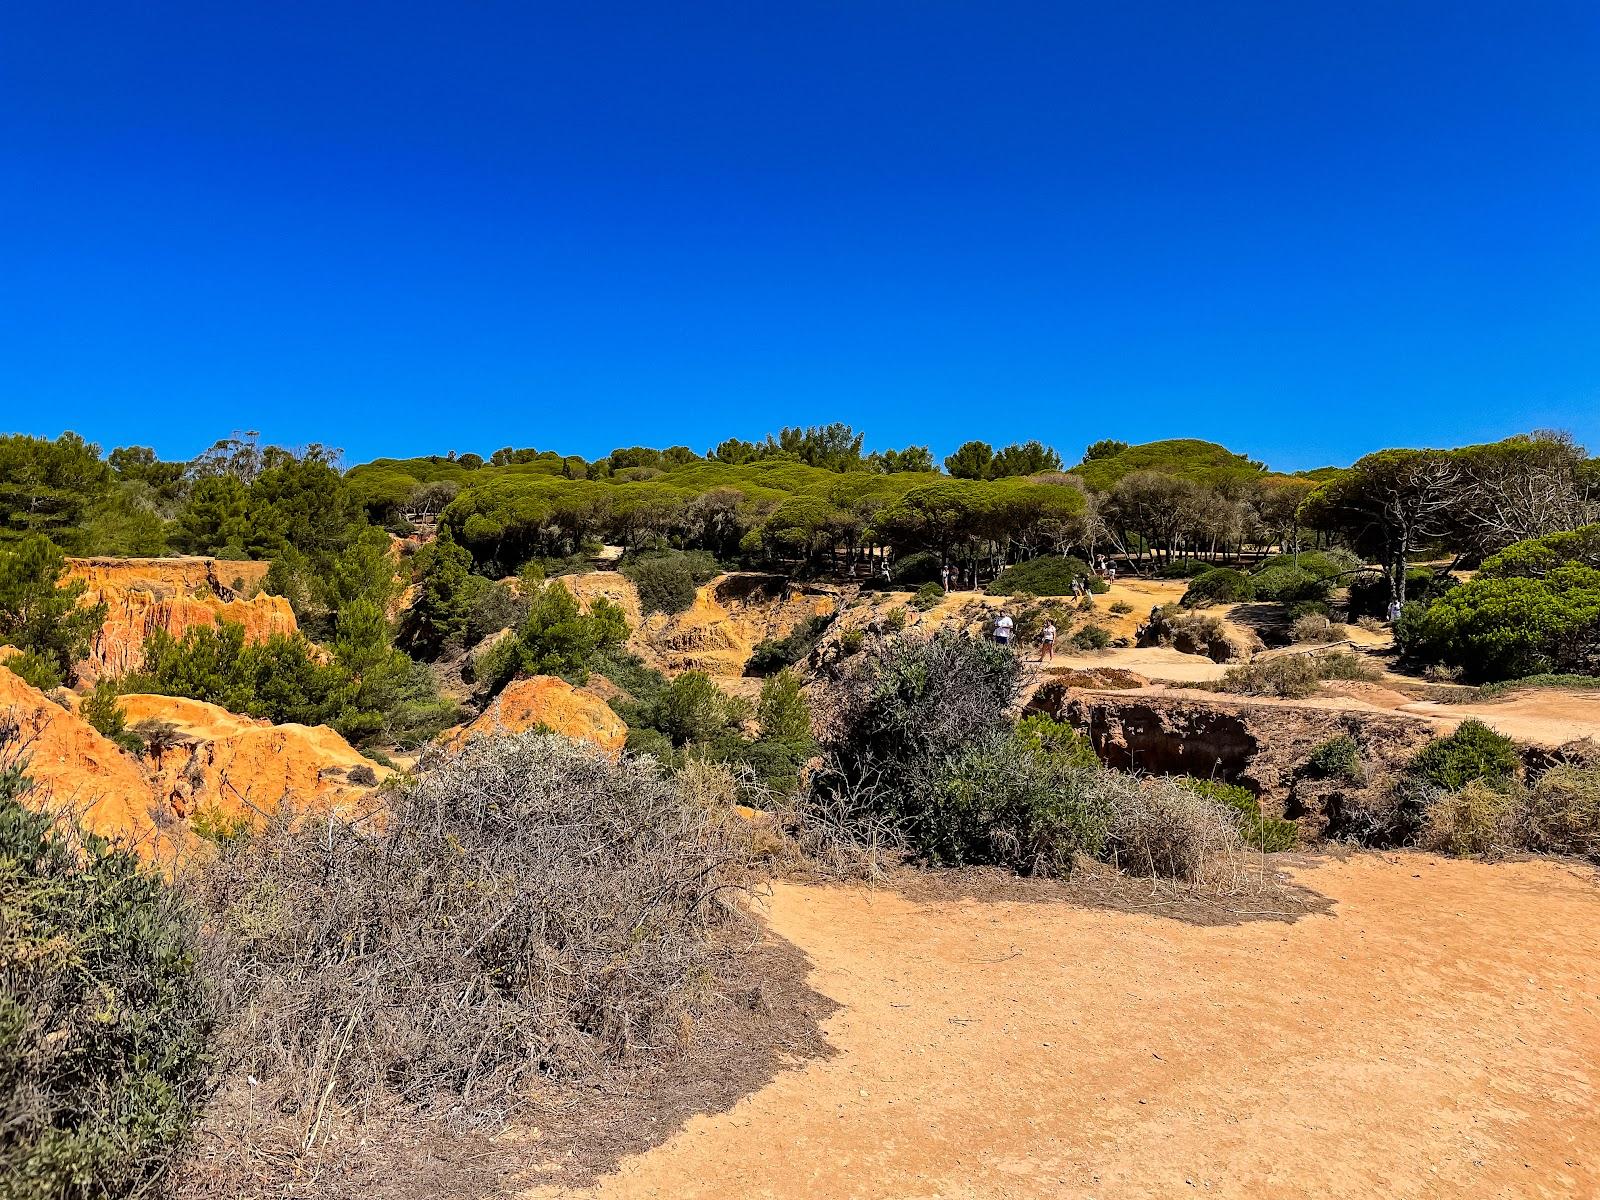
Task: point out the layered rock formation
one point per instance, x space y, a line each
72 765
1262 745
730 616
174 594
198 758
552 703
202 757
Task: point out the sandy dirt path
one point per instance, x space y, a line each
1436 1034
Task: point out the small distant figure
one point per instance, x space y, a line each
883 570
944 576
1002 628
1394 611
1047 642
1077 587
1111 572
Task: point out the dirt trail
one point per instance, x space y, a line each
1436 1034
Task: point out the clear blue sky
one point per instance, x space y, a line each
1304 230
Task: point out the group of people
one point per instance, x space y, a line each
1005 627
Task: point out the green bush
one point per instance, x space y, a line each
1506 628
928 596
913 570
1047 575
1182 568
1286 583
666 579
105 1027
1369 592
774 654
1337 758
1092 637
1220 585
101 709
34 670
1260 832
39 614
850 641
1473 753
556 638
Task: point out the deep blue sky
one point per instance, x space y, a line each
1303 230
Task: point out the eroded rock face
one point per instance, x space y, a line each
730 616
175 594
553 703
237 767
199 758
1262 746
72 765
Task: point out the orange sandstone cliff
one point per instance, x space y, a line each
174 594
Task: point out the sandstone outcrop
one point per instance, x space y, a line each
197 758
203 757
552 703
730 616
72 765
1263 746
175 594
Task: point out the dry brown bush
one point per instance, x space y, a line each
1476 820
530 911
1161 830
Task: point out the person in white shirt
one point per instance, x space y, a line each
1047 641
1002 628
1394 611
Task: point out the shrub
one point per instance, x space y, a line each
1220 585
34 670
1121 607
1337 758
774 654
104 1024
1314 627
38 613
928 596
916 569
1562 812
1092 637
1369 591
1162 830
101 710
1182 568
529 909
850 641
1477 819
1047 575
894 620
1494 628
556 638
1097 586
1043 734
1288 584
1295 676
667 579
1473 753
1260 832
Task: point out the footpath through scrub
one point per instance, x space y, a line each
1436 1033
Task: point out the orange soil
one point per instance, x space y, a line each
1436 1034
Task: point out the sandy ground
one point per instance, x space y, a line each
1543 718
1436 1034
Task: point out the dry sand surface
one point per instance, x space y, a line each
1435 1033
1549 717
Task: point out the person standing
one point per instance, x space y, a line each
1394 611
1002 628
944 576
1047 641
